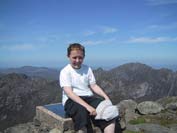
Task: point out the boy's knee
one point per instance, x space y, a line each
80 108
82 112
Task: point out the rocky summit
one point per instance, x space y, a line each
145 117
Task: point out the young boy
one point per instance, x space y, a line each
79 85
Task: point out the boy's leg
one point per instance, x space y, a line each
83 130
110 128
79 115
102 124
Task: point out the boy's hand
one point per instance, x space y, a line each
91 110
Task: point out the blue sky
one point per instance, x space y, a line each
114 32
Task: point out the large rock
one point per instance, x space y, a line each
22 128
169 103
149 107
149 128
127 109
172 106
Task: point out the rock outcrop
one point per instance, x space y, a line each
162 121
149 107
150 116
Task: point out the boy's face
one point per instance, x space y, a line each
76 58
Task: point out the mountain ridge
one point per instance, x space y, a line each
136 81
43 72
20 94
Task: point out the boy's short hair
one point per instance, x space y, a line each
75 46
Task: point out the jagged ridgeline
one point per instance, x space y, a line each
137 81
21 93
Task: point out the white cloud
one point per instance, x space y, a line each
151 39
89 33
101 30
109 29
160 2
99 42
170 26
18 47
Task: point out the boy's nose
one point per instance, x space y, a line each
77 59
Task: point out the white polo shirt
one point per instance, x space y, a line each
78 79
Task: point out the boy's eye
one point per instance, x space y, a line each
78 58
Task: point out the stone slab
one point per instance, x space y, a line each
53 115
52 118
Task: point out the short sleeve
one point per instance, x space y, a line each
65 79
91 77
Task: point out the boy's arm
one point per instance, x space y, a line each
74 97
99 91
